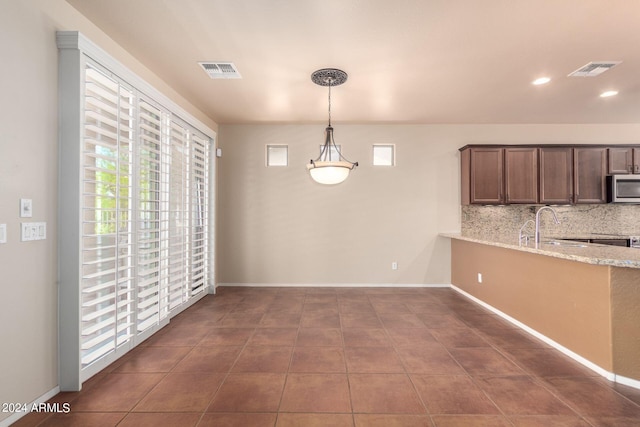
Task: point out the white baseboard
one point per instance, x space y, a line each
334 285
17 415
599 370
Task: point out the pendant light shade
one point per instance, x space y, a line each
330 167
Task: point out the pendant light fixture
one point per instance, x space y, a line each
330 167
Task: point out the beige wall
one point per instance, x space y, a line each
28 169
276 226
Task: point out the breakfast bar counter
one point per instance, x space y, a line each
583 298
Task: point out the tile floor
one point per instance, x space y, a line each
343 357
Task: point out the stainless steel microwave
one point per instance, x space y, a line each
623 188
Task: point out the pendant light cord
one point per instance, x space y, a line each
330 81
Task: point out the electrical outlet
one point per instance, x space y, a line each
479 277
394 265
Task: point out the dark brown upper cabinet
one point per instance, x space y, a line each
521 175
486 175
556 175
590 175
623 160
545 174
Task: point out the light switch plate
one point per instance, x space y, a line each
26 208
3 233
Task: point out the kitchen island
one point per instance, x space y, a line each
581 298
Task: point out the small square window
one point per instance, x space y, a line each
384 155
277 155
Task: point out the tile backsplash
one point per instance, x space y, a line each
575 221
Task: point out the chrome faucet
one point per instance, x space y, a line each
522 236
555 218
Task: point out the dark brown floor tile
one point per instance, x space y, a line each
432 359
403 337
209 359
549 421
630 393
314 337
326 307
520 395
274 336
320 319
237 420
470 421
318 359
430 308
241 320
459 338
263 359
33 419
360 320
351 306
507 338
360 337
314 420
384 394
249 393
288 305
279 319
484 321
117 392
181 392
452 394
251 307
179 335
316 393
152 359
590 398
154 419
227 336
484 361
384 420
379 360
547 362
390 307
440 321
613 421
84 419
401 320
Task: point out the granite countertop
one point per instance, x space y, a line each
582 252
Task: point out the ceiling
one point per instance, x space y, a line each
409 61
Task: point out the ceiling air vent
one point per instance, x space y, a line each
593 69
220 70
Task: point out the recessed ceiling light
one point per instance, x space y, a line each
608 93
541 81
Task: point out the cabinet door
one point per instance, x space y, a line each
556 175
621 160
589 174
486 175
636 160
521 175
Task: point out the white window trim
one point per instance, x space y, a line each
75 51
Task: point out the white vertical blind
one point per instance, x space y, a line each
107 265
145 246
179 238
149 199
200 213
132 210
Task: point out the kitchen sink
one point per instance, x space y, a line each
564 243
